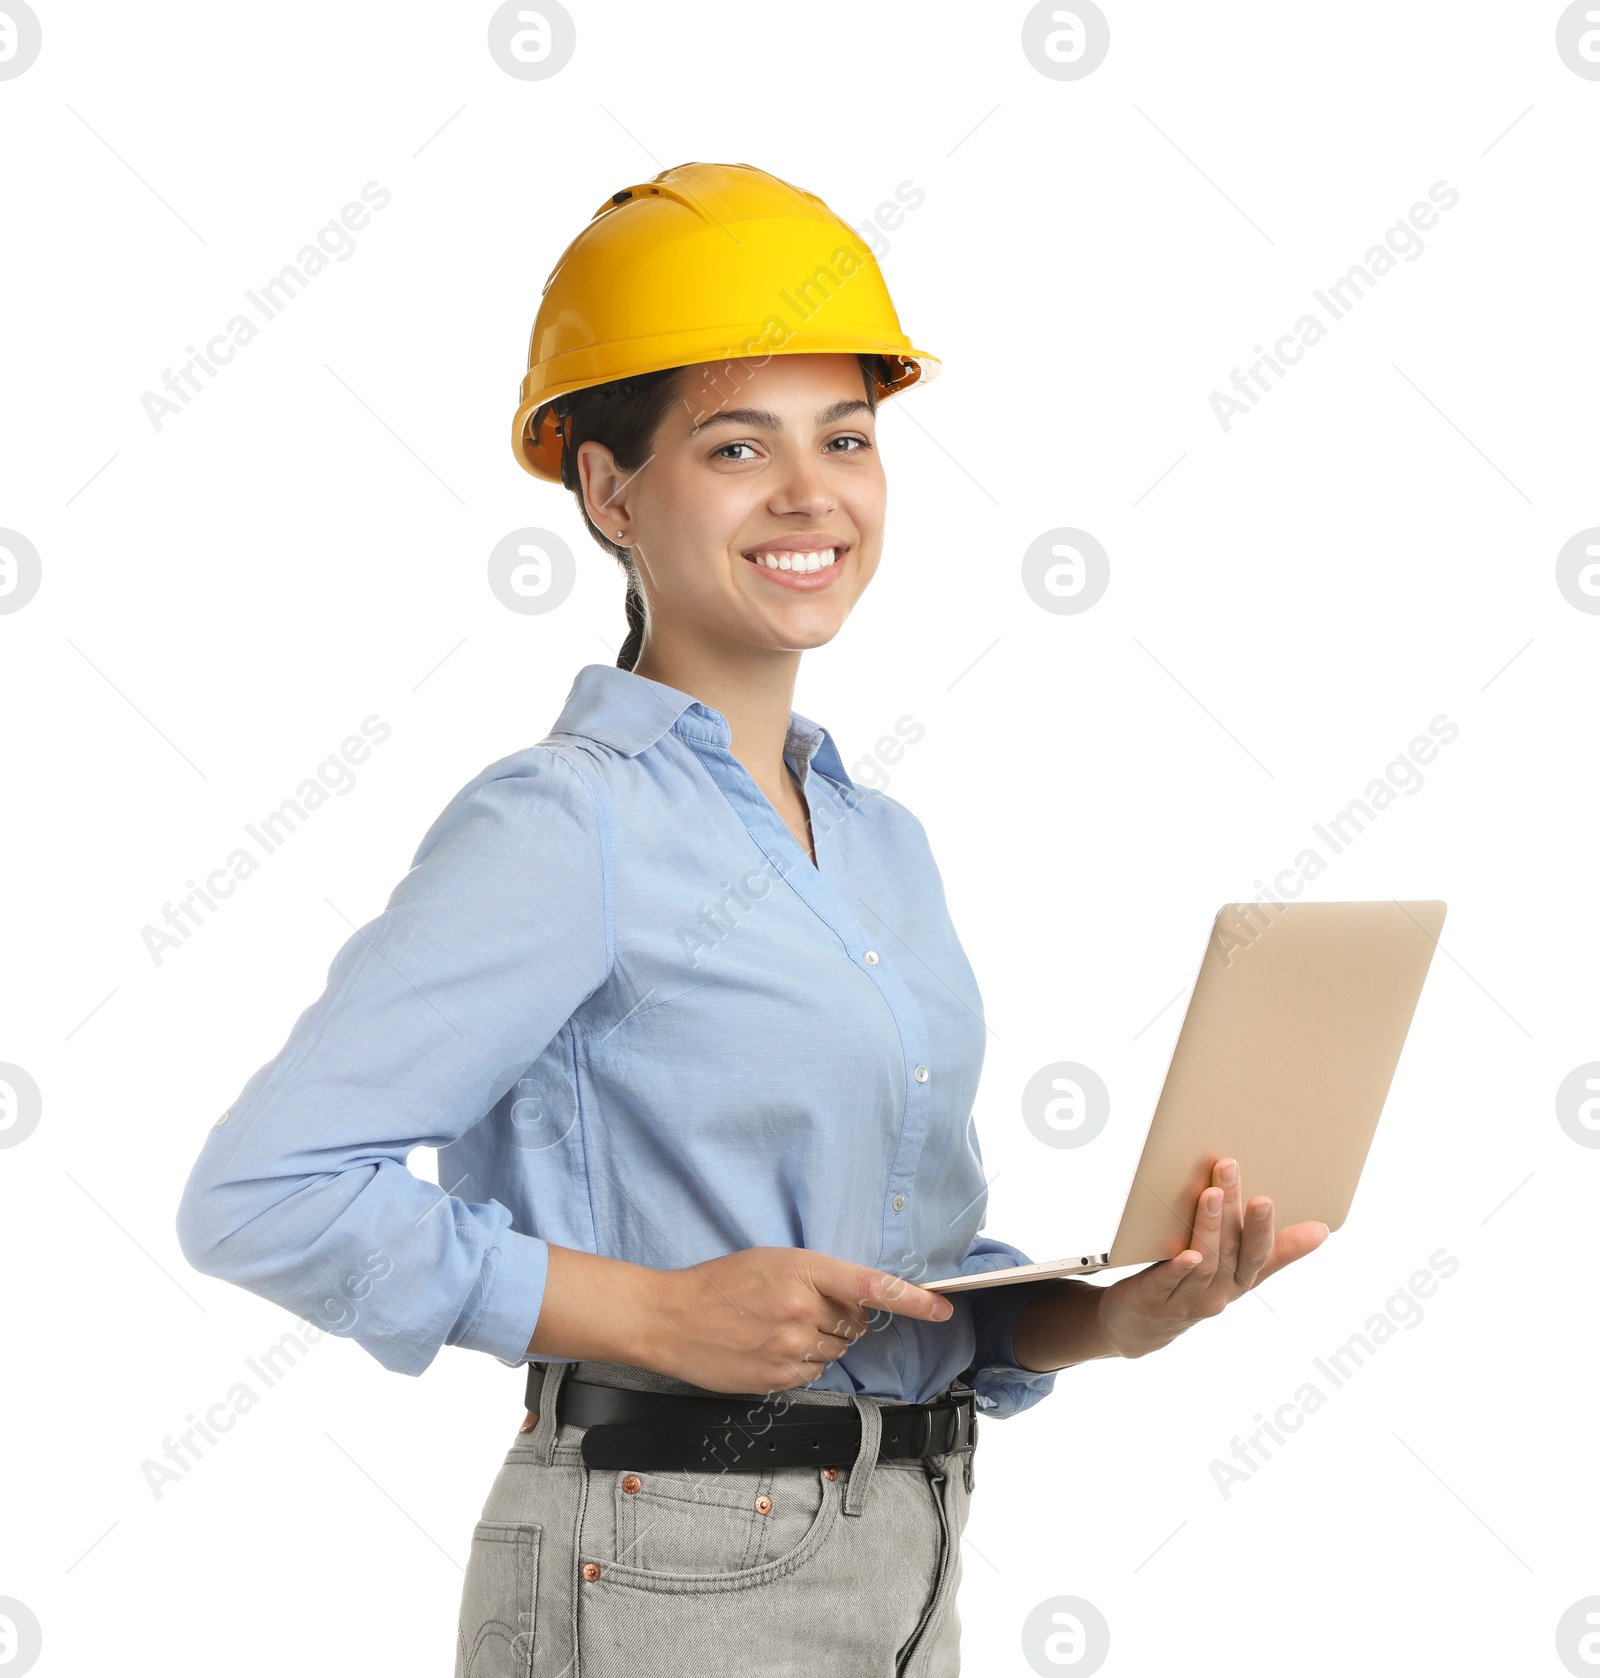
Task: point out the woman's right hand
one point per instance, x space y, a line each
756 1321
769 1318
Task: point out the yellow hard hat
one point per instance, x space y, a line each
707 262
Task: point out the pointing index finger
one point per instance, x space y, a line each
876 1289
906 1299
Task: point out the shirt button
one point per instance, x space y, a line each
921 1074
871 958
899 1203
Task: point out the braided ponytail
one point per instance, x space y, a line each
633 605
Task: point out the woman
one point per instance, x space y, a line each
683 1010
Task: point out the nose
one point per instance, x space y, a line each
804 489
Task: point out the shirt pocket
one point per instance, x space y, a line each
495 1634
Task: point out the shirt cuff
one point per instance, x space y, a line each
503 1308
1003 1386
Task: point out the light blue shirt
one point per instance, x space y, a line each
616 995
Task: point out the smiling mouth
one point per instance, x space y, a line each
797 561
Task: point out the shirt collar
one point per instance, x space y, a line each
629 713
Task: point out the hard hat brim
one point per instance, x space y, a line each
539 452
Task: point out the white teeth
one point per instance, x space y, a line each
814 560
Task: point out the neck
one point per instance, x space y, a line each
753 687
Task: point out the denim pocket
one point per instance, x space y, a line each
494 1638
722 1532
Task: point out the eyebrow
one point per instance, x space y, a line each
763 419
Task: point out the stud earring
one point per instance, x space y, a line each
619 535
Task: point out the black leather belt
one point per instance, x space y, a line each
627 1428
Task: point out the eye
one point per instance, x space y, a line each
722 453
861 443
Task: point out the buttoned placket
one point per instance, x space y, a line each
707 732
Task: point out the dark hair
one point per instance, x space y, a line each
624 415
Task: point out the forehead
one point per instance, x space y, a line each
793 386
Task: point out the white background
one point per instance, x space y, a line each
223 601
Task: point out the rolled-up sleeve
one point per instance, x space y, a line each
301 1192
1003 1387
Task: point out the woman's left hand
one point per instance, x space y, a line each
1234 1249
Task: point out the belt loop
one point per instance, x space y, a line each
543 1440
855 1496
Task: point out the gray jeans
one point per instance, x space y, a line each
579 1572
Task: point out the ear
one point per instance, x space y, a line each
604 485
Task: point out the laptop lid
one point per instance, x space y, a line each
1284 1060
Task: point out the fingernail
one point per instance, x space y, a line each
1229 1173
1213 1200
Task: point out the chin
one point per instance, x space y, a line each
806 631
